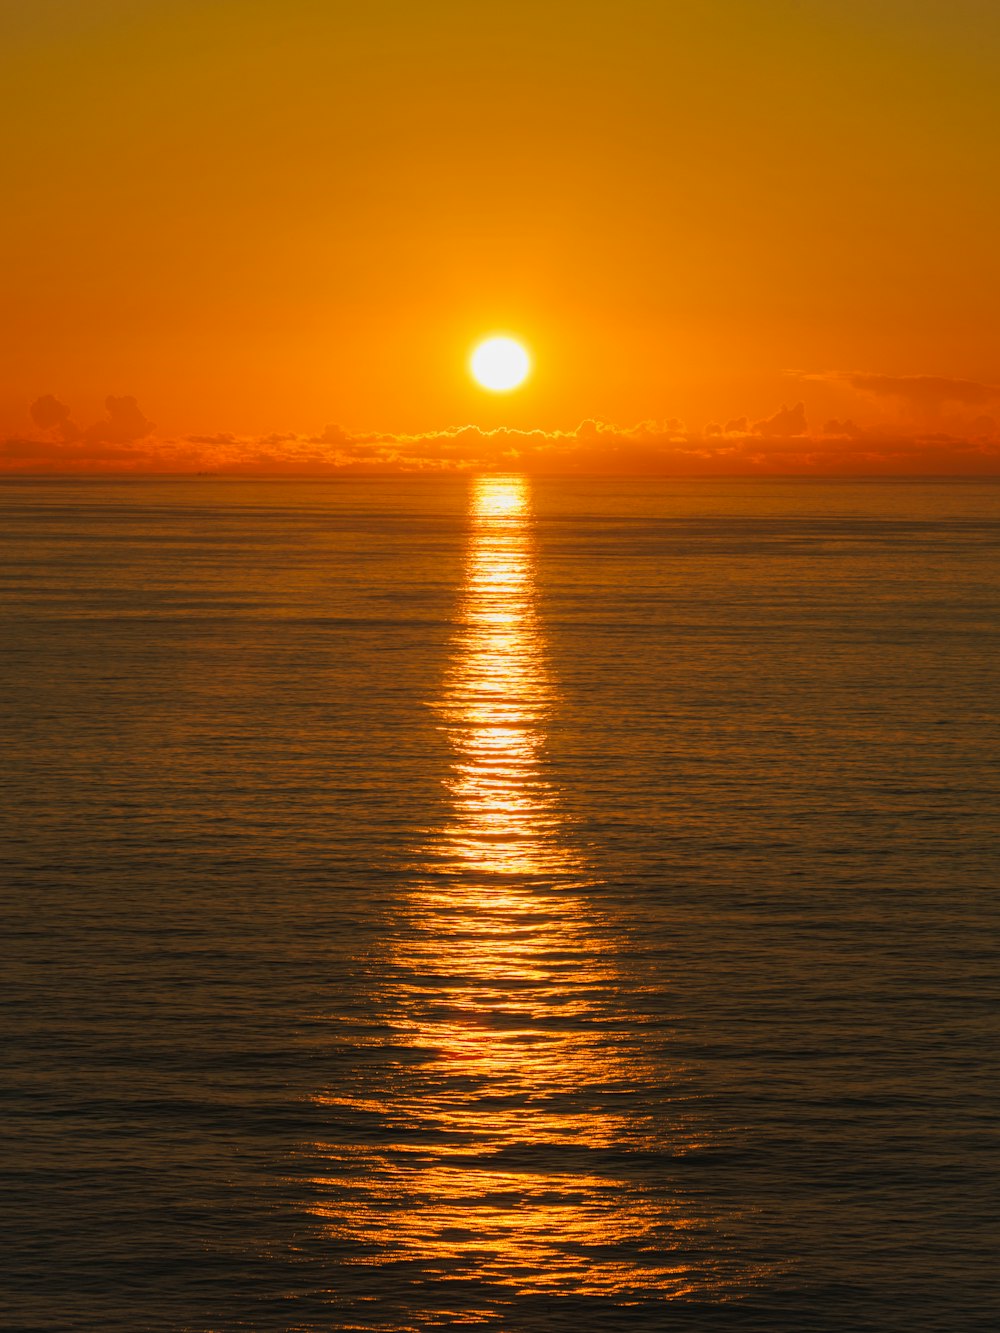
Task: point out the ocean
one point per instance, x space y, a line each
502 903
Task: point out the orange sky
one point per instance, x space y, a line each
260 216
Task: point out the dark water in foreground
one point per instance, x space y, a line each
499 905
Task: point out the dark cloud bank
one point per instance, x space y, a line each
123 443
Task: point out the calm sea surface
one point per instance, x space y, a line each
500 904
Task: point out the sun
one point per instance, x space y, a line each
500 364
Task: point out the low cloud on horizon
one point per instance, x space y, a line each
783 444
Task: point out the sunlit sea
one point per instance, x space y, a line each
503 904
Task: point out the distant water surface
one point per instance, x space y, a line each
499 903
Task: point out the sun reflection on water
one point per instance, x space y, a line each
496 700
515 1132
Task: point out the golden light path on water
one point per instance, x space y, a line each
494 1144
497 699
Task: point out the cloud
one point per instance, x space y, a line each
786 421
925 392
983 427
222 438
48 413
106 446
778 445
847 428
123 424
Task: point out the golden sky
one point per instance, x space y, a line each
265 216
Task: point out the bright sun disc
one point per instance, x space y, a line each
500 364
